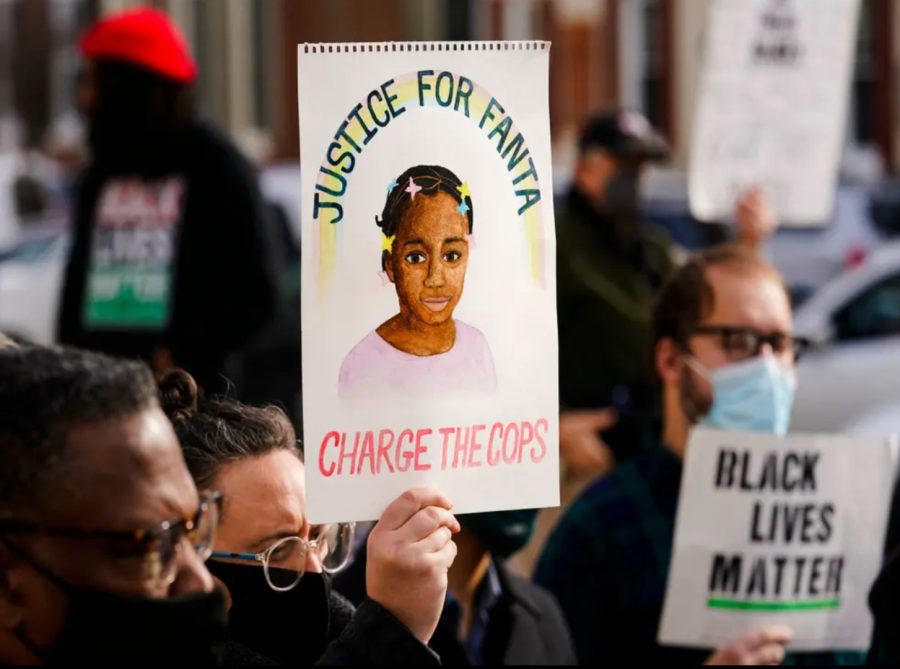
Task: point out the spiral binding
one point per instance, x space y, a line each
407 47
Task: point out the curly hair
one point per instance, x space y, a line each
217 431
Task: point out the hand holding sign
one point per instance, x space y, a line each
754 219
580 445
765 646
409 552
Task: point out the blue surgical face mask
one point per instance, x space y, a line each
754 395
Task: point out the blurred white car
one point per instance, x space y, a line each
806 257
31 268
851 381
31 274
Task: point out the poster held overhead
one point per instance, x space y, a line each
772 106
428 276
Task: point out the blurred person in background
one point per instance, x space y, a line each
171 260
103 535
277 567
610 266
491 616
724 352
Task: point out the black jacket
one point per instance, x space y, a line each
526 624
526 628
884 602
223 288
370 635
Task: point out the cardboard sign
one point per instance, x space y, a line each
778 530
772 107
429 313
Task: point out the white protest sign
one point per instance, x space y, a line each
778 530
772 106
428 276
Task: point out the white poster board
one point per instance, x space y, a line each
778 531
772 106
429 312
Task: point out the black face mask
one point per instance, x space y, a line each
106 629
112 630
290 627
622 197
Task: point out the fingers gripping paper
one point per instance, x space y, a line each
429 316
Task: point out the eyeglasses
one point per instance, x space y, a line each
159 545
741 342
284 562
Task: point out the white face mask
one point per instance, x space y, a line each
754 395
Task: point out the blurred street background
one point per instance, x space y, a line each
607 54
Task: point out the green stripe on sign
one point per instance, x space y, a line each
738 605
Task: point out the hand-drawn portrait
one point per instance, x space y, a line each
426 231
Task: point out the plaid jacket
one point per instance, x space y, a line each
607 563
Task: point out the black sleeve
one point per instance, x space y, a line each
340 613
248 294
69 329
376 637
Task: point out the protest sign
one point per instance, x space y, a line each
429 314
778 530
772 106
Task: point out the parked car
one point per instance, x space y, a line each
31 274
806 257
851 380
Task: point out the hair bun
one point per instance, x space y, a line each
179 394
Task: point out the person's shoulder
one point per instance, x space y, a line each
471 336
214 151
657 238
609 489
363 349
474 342
535 597
591 517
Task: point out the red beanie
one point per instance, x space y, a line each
145 37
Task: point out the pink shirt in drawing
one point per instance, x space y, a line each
374 368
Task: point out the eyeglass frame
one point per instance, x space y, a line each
142 538
798 345
263 557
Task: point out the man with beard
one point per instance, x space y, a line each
724 353
170 260
103 535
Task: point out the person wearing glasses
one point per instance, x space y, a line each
725 354
103 535
277 567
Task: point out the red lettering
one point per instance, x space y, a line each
510 457
420 448
461 447
493 456
524 441
368 451
351 455
445 432
330 470
404 456
475 446
541 426
385 441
